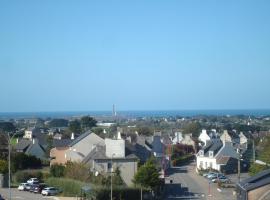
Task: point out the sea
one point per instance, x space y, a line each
136 114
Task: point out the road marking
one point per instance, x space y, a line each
18 197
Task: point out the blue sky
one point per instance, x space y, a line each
139 55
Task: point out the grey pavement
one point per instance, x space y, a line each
22 195
187 184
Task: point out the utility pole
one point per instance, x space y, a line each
253 148
239 166
111 175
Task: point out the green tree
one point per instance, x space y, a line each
148 175
144 130
49 145
58 123
3 167
7 127
263 155
88 122
77 171
75 126
193 127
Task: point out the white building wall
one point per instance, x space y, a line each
115 148
206 163
204 136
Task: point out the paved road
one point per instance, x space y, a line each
22 195
186 184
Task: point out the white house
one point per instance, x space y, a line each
204 137
178 137
213 151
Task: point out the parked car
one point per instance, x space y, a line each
32 187
222 179
39 188
27 187
215 176
22 186
1 198
49 191
33 181
208 174
211 176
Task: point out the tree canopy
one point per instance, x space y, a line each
148 175
58 123
194 128
7 127
88 122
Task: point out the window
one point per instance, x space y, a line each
201 153
211 154
201 164
211 165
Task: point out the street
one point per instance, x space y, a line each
22 195
184 183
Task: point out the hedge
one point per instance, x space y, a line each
68 187
120 193
23 176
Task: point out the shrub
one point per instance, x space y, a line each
182 160
69 187
77 171
23 176
21 161
121 193
57 170
3 167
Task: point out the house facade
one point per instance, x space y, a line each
209 156
106 159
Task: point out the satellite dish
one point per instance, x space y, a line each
96 173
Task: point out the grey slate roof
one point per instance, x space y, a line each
259 180
99 153
157 145
23 144
78 139
214 146
62 142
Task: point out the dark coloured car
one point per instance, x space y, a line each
32 187
39 188
1 198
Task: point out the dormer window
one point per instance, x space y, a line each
201 153
211 154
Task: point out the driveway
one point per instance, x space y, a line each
185 183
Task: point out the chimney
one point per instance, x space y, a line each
72 136
33 140
119 135
17 140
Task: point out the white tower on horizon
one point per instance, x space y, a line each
114 111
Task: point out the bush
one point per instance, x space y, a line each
57 170
77 171
23 176
122 193
3 167
182 160
22 161
69 187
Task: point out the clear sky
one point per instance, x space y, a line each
140 55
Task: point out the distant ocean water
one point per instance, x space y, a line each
161 113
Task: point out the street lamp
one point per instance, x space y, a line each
111 175
9 152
